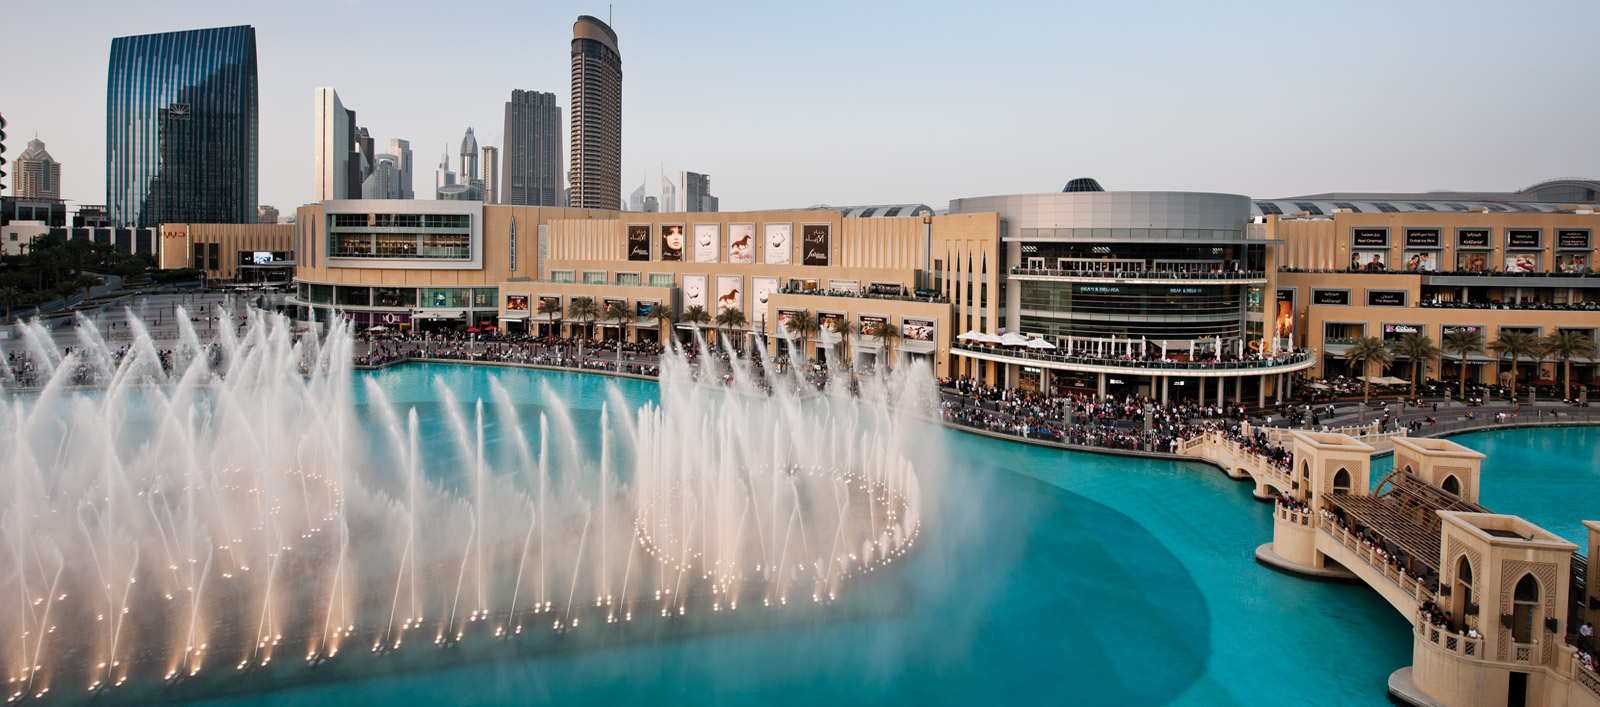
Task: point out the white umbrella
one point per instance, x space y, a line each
972 336
1040 344
1013 339
377 328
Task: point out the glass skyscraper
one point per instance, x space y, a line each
181 128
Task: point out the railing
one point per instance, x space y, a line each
1526 653
1585 677
1289 359
1443 637
1294 517
938 299
1575 307
1528 417
1446 273
1411 587
541 281
1196 275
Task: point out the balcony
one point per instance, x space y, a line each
1525 306
1151 277
1280 363
933 298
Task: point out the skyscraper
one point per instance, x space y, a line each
2 152
696 194
669 195
182 127
596 132
636 199
384 182
38 174
444 177
401 149
341 161
469 157
532 172
491 168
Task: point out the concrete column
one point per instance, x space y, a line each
1279 387
1238 389
1010 376
1102 385
1164 380
1044 380
1202 388
1261 391
1222 392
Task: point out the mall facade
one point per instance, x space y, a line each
1181 295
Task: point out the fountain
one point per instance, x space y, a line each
217 508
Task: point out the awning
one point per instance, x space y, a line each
518 315
442 314
917 347
1013 339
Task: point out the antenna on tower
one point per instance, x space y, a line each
608 14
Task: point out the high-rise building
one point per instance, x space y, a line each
469 157
343 149
401 149
266 214
596 134
636 199
182 127
669 195
651 205
696 194
38 174
384 182
491 167
532 172
444 177
2 152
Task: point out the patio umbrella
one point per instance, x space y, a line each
473 330
1317 386
1040 344
1013 339
972 336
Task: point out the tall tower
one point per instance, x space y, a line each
182 128
444 177
491 168
38 174
2 152
531 175
401 149
336 144
596 132
469 158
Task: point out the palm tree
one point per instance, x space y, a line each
1563 345
1464 342
1368 350
843 328
802 325
1419 348
87 283
618 312
584 310
733 318
696 315
885 333
662 315
550 309
1513 344
9 296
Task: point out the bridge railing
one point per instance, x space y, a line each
1451 641
1584 676
1407 584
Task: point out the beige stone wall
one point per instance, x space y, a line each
178 241
1324 243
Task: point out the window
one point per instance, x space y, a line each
660 279
353 296
594 277
485 297
561 276
394 296
454 297
627 278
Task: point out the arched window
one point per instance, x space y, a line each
1525 609
1451 485
1341 481
1463 587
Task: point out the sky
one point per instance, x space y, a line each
844 103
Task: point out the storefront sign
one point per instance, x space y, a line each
814 243
1573 239
1335 297
1472 238
1522 237
639 242
1386 298
1422 238
1370 237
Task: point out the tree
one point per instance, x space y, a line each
618 312
87 283
662 315
1465 343
843 328
885 333
1513 344
801 324
1419 348
9 296
550 309
696 315
733 318
1368 350
1562 345
584 310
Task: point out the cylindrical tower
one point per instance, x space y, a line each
596 133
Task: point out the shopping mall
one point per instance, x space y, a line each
1177 295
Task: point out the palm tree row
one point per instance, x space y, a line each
1562 345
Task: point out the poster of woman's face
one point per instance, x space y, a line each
707 242
1422 261
694 291
730 293
1572 263
672 243
742 243
779 238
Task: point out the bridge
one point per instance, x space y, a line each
1494 601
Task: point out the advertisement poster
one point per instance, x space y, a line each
849 286
779 238
707 242
1473 238
1369 260
1453 328
1369 237
1523 263
1472 262
694 291
639 242
826 321
763 287
730 293
1572 263
1572 239
641 307
742 243
672 243
605 305
1422 238
784 315
814 243
1522 238
516 303
550 301
1422 261
869 324
1283 326
916 329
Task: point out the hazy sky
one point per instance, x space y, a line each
795 104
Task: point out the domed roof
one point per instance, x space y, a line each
1083 184
469 144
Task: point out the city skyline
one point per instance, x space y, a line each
1269 112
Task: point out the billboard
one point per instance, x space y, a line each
917 329
1283 319
1422 261
763 288
814 243
730 293
1369 237
550 300
1453 328
1472 238
1336 297
516 303
1572 263
869 323
1370 260
784 315
742 243
694 291
1386 298
1573 239
1523 237
642 307
826 320
707 242
1422 238
779 240
638 242
1472 262
1522 262
672 242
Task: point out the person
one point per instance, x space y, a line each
1586 630
1376 263
672 243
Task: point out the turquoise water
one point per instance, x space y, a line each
1042 577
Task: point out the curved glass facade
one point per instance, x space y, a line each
181 128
